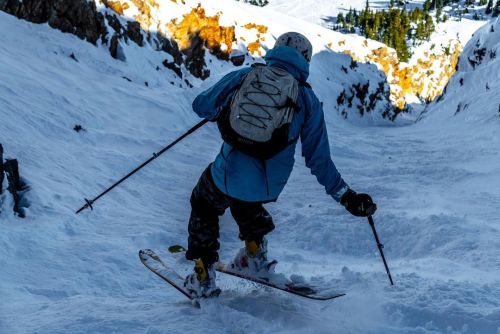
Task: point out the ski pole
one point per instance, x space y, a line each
380 248
155 155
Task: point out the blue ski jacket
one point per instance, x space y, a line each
249 179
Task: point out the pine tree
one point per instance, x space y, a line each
496 11
429 27
356 17
348 18
420 32
395 27
489 8
483 2
341 21
427 6
439 9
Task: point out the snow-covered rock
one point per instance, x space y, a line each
472 95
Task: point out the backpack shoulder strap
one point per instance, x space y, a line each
304 83
258 64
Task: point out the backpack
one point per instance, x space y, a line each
257 120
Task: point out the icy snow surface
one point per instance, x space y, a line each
436 185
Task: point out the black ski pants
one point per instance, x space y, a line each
208 203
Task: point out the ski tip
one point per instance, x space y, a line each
144 254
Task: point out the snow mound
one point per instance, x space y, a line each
472 93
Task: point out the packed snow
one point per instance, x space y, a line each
435 182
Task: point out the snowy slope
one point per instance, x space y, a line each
472 93
436 185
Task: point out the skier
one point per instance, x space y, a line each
245 174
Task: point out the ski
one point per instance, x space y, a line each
276 281
300 289
154 263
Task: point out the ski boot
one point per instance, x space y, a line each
253 259
201 283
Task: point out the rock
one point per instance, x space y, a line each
114 23
134 32
1 168
78 128
79 17
171 47
195 58
17 187
237 57
113 46
174 67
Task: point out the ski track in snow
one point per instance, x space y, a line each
436 185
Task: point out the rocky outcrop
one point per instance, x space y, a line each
16 185
81 18
195 58
78 17
132 31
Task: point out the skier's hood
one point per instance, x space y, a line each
290 60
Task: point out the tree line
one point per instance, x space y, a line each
398 27
393 27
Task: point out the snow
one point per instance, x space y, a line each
478 75
436 185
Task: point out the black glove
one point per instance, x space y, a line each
360 205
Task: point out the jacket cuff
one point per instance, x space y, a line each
342 189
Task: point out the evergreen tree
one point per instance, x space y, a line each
427 6
489 8
496 11
483 2
420 32
395 27
349 17
341 22
429 27
439 9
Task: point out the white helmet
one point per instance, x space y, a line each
297 41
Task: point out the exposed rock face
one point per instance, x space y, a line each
81 18
171 47
195 58
134 32
78 17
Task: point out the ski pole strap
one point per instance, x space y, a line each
380 248
155 155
